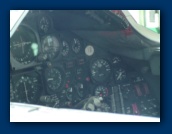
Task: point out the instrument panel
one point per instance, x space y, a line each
60 69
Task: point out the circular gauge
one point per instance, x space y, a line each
80 89
116 60
69 93
100 70
76 45
44 24
89 50
53 79
27 88
65 48
120 74
51 46
101 91
24 45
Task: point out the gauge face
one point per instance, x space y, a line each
26 89
76 45
116 60
80 89
65 48
44 24
89 50
100 70
51 46
120 74
101 91
53 79
24 45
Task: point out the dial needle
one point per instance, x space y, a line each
22 44
119 76
26 93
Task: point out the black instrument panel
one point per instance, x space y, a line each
59 66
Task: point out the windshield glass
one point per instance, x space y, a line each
147 18
14 16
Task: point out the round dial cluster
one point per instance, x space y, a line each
26 88
51 46
101 91
100 70
53 79
119 74
44 24
65 48
24 45
76 45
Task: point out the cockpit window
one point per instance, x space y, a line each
147 18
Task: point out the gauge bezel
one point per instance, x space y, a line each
38 23
57 53
29 74
16 65
72 43
50 91
69 49
102 85
108 79
114 73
